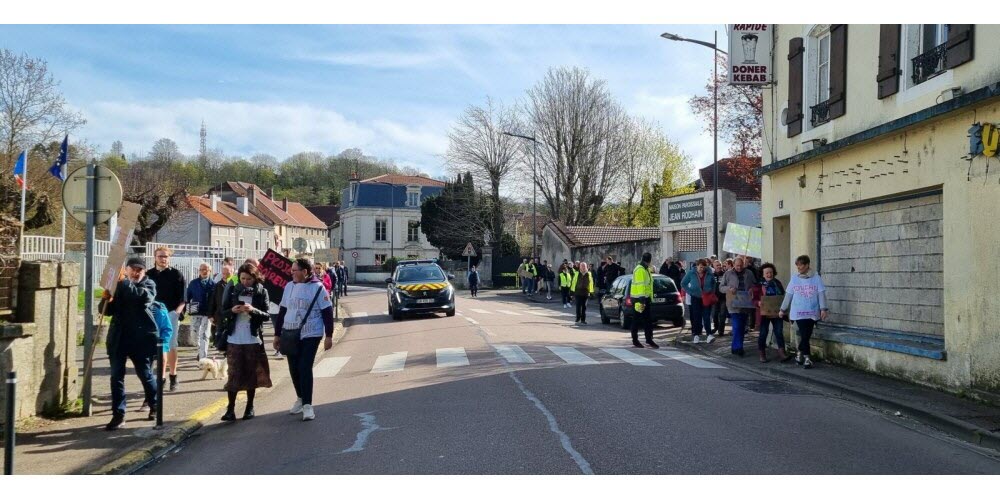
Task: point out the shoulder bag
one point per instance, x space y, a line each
289 340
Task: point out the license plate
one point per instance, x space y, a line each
659 300
425 301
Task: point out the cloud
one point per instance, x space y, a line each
680 123
381 59
246 128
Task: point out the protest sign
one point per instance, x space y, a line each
277 272
120 240
770 305
743 240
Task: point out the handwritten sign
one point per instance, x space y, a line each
743 240
277 272
121 237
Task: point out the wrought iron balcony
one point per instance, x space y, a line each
929 63
820 113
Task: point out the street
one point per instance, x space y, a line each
513 387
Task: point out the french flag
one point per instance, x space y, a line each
19 169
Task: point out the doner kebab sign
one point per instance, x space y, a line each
751 54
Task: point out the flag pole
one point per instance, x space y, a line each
24 195
62 171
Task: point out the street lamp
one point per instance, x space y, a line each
392 217
715 129
534 189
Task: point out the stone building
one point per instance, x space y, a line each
289 220
591 244
210 221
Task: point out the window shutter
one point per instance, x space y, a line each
888 60
796 51
959 45
838 70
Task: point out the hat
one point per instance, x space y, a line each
136 262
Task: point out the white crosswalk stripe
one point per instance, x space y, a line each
480 311
470 320
330 367
513 354
451 357
630 357
687 358
571 355
394 362
511 313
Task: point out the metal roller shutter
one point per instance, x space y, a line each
883 265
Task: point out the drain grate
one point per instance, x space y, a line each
771 387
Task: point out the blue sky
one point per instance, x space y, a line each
393 91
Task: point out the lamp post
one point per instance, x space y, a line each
715 130
534 189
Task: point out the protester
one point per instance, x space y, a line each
771 286
341 279
601 268
473 281
611 272
132 335
738 279
198 295
331 272
583 287
170 288
641 291
319 270
699 284
674 272
719 310
215 301
244 313
524 275
533 269
565 280
304 316
549 277
806 296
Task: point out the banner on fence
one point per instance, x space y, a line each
277 272
120 241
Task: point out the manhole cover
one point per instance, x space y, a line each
773 387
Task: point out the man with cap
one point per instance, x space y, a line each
133 335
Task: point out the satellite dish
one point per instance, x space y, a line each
784 116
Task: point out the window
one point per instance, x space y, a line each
412 199
241 242
823 69
256 244
379 259
931 51
412 233
827 79
380 225
218 243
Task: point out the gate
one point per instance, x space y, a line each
505 271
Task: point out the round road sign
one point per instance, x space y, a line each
354 254
109 194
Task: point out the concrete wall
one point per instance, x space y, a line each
41 345
628 253
553 248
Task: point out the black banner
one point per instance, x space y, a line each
686 211
277 272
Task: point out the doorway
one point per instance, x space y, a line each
782 246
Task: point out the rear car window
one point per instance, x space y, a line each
663 284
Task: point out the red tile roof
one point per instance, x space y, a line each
226 215
271 210
403 180
302 217
585 236
736 175
204 207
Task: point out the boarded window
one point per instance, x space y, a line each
888 60
796 52
959 44
838 70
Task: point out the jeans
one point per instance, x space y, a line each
200 325
565 294
474 288
524 285
548 288
342 287
532 285
701 316
143 368
646 318
739 321
719 314
805 333
300 366
765 325
581 308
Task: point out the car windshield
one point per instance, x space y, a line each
420 273
662 284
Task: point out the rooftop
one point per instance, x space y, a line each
736 175
585 236
226 213
404 180
326 213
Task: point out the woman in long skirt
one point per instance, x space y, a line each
243 328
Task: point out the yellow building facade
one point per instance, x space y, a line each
880 162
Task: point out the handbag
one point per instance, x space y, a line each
289 339
709 299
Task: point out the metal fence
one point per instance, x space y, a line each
43 248
188 258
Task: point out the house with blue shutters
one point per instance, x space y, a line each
379 219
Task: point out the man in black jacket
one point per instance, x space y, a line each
611 272
217 298
170 287
132 335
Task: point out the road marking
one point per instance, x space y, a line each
512 313
368 426
390 363
571 356
687 358
513 354
542 313
330 367
451 357
359 315
385 312
630 357
470 320
480 311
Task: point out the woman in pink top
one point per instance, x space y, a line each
319 269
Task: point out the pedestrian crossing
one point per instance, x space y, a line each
551 355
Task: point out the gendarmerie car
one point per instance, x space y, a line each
420 287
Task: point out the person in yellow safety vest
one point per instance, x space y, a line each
641 292
532 281
582 287
576 272
565 280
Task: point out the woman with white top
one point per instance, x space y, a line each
306 310
806 296
244 314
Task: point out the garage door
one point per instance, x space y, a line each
882 265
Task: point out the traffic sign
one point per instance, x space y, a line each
109 194
299 244
354 254
469 251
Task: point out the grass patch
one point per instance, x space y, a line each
82 298
68 410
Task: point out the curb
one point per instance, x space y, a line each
963 430
147 453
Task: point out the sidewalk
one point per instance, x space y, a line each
80 445
968 420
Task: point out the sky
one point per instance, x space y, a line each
393 91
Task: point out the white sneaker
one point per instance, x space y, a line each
807 363
308 413
278 355
710 339
696 339
296 408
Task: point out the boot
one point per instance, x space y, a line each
763 356
783 356
230 415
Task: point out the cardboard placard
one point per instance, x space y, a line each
277 272
740 300
120 240
743 240
326 255
770 305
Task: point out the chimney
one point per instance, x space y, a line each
284 203
241 205
214 200
252 194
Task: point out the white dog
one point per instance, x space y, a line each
217 367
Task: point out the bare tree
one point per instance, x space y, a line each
639 160
159 189
578 125
478 146
165 152
32 110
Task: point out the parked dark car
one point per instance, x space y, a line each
667 306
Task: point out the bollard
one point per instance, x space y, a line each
159 384
8 432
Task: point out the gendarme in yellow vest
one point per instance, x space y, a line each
642 282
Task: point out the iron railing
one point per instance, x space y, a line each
43 248
929 63
820 113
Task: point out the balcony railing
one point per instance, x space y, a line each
820 113
929 63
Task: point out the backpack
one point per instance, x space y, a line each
162 320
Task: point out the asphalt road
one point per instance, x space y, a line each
511 387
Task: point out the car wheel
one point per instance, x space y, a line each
451 312
623 320
604 317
